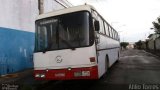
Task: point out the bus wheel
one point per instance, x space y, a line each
106 63
106 67
118 57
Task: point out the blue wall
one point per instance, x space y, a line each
16 50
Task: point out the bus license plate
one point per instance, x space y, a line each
59 75
85 73
77 74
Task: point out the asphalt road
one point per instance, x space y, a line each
136 70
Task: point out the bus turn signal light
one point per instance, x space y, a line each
92 59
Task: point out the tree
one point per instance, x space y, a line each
124 44
156 25
139 44
150 35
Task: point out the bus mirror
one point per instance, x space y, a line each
96 25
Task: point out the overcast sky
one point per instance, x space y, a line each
132 18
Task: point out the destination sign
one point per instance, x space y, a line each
48 21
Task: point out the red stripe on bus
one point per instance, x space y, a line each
66 74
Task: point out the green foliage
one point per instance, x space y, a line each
124 44
150 35
157 25
158 20
139 44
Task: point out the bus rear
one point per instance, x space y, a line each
65 47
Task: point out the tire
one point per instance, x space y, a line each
106 63
106 68
118 57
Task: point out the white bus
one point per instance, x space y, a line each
74 43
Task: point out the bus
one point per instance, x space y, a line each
74 43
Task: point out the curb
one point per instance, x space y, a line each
151 54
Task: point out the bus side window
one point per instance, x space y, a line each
101 25
107 29
93 20
110 31
114 33
116 36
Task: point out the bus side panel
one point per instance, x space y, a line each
113 56
106 46
101 62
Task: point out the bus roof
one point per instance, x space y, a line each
66 10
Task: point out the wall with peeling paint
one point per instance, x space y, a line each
52 5
16 50
17 26
17 34
18 14
158 43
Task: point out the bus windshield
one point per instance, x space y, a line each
66 31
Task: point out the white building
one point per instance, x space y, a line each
154 42
17 26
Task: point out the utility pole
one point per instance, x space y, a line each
41 6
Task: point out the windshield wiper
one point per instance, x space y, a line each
45 50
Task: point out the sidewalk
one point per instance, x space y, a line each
23 79
14 77
157 53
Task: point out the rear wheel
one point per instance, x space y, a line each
106 63
118 56
106 67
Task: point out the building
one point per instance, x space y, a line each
130 45
154 42
17 26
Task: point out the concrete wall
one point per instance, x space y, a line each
154 44
16 50
17 34
18 14
50 5
144 45
151 44
17 26
158 43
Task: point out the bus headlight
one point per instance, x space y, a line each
43 75
40 75
37 75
